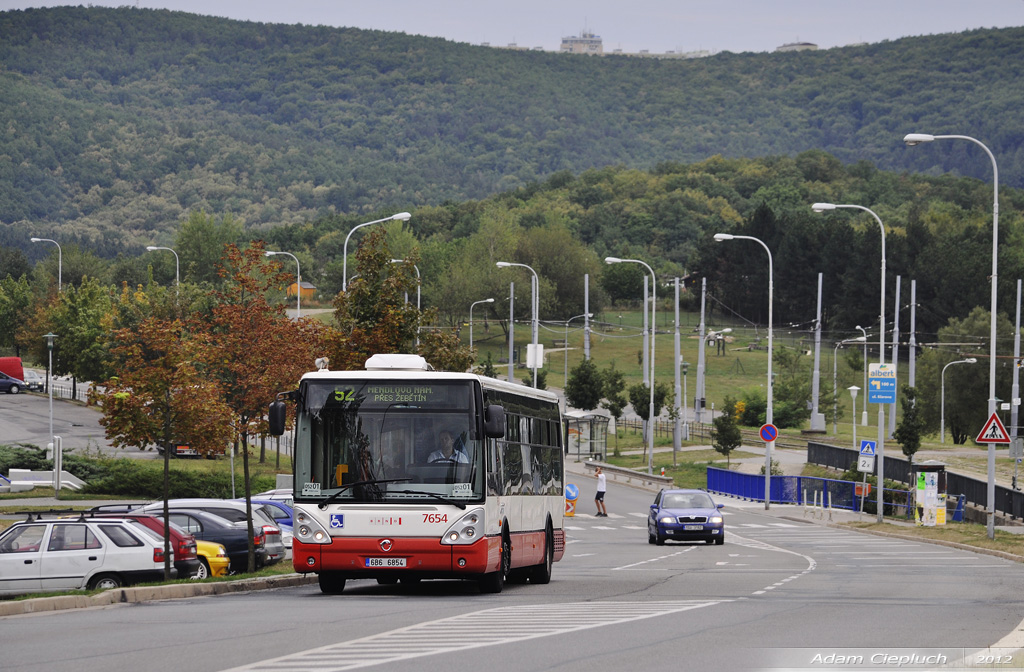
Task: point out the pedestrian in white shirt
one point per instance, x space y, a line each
602 485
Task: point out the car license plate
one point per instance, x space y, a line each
693 527
385 562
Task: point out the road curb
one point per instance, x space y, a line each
151 593
909 537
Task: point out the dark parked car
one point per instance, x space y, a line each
685 515
11 385
234 536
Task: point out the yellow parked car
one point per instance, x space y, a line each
213 559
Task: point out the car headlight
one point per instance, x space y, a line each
667 519
717 520
466 530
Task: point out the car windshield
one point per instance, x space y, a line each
378 440
688 500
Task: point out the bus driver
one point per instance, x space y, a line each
447 452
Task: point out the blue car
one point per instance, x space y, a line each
11 385
685 515
278 510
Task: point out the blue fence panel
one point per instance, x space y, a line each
784 489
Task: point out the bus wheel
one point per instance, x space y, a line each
495 581
541 574
388 581
331 583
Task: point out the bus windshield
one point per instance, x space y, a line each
388 441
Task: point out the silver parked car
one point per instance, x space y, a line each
234 511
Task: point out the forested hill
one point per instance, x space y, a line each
117 122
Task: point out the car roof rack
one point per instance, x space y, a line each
64 514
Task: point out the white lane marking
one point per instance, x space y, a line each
660 557
812 564
490 627
602 527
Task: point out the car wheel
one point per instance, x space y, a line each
105 582
658 539
15 389
495 581
541 574
650 537
331 583
203 572
719 541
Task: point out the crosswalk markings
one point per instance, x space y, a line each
490 627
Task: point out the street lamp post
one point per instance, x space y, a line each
864 418
177 275
853 395
826 207
60 258
654 305
835 382
53 441
915 139
402 216
418 284
769 445
298 281
942 396
534 296
565 343
471 318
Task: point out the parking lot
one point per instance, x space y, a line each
25 418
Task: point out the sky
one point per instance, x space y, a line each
657 26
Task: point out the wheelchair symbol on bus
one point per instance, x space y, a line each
337 521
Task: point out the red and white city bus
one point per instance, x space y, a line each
381 492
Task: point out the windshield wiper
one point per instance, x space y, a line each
323 504
434 495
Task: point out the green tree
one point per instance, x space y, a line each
15 308
200 245
542 379
584 389
726 436
908 431
613 386
966 387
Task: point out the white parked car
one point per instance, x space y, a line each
52 555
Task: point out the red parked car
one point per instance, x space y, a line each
186 559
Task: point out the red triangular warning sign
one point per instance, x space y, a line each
994 431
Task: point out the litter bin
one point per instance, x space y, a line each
572 493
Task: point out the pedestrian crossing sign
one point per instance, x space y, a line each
994 431
867 448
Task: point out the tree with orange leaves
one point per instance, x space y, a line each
259 350
164 395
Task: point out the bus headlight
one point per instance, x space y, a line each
309 531
466 530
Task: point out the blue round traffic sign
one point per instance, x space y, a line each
768 432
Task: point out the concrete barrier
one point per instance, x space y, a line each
631 477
